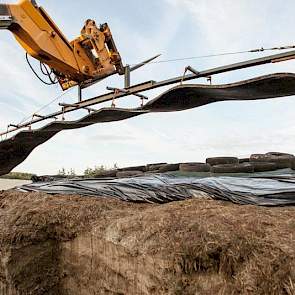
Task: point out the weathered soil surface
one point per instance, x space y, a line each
81 245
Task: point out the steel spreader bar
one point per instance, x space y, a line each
149 85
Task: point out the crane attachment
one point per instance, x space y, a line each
91 56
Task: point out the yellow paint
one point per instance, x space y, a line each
41 38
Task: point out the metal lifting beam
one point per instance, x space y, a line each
149 85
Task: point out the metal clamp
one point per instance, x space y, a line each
63 114
118 90
142 97
209 79
192 70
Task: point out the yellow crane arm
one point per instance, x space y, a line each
91 56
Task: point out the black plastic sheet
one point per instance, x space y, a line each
263 190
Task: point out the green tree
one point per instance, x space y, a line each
62 172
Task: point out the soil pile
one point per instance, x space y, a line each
81 245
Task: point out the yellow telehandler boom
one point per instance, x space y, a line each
90 57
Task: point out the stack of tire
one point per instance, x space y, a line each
217 165
194 167
229 165
148 169
272 161
131 171
256 163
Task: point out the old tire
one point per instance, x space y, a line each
259 158
281 160
169 168
277 154
154 167
233 168
134 168
194 167
244 160
222 161
264 166
106 174
125 174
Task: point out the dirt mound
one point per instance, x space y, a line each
81 245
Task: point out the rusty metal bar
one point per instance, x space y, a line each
127 78
71 105
79 93
149 85
191 69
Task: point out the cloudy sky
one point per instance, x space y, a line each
176 29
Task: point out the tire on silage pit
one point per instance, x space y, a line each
259 158
169 168
125 174
222 161
264 166
154 167
233 168
281 160
133 168
244 160
106 174
194 167
278 154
